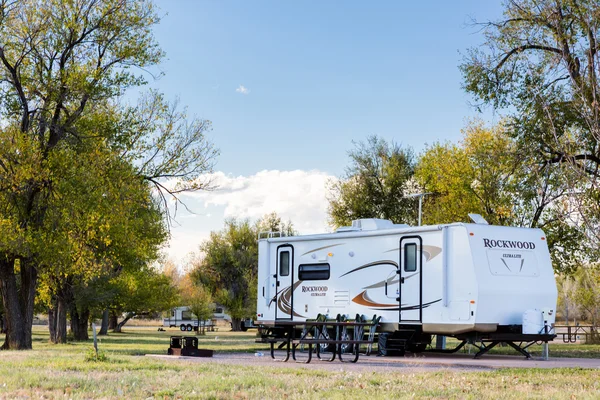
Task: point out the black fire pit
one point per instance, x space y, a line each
187 346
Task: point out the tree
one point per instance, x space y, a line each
375 185
273 223
540 64
587 296
489 174
142 292
62 67
229 267
567 299
198 299
228 264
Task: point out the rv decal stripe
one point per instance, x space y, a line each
408 308
390 281
321 248
373 264
364 300
284 300
430 251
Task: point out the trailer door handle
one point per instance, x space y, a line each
386 287
263 291
402 280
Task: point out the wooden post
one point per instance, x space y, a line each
95 338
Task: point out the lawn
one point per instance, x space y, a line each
61 371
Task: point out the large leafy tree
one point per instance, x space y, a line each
375 184
228 264
540 65
63 64
488 173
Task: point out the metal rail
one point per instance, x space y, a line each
574 332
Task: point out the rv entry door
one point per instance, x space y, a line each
284 283
411 279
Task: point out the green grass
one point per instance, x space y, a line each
60 371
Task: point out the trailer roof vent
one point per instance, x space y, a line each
478 219
370 224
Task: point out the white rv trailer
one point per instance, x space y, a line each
461 280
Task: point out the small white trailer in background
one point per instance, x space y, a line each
475 282
183 318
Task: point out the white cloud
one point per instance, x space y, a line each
242 89
296 195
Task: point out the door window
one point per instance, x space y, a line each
410 257
284 263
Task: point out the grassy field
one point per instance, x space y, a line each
61 371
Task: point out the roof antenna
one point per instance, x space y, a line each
420 196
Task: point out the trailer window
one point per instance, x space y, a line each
410 257
284 263
313 272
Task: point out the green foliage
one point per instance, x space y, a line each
143 291
488 173
228 266
540 64
77 168
374 185
587 292
95 356
200 302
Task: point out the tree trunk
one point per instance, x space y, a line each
79 323
61 321
104 327
18 302
112 321
122 323
236 324
52 323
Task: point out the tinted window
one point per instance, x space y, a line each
313 272
284 263
410 257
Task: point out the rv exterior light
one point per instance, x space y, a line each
472 301
472 234
543 238
330 254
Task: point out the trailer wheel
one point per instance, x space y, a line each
243 327
182 328
189 328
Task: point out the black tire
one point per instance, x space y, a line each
243 327
189 328
182 328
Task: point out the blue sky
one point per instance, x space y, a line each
311 77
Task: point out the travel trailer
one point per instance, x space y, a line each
183 318
469 281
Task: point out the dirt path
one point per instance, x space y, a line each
380 364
